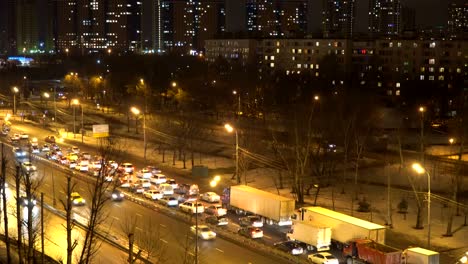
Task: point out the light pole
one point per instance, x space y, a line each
422 110
137 112
46 96
55 110
420 170
238 102
230 129
75 102
15 91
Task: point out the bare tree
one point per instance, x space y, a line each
4 204
70 225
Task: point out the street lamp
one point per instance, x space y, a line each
15 91
230 129
75 102
238 102
420 170
46 96
215 181
137 112
422 110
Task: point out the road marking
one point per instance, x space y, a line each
137 228
219 250
118 205
116 218
163 240
269 237
47 184
137 214
163 225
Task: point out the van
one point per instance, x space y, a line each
166 189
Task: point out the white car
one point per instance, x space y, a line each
323 258
72 164
145 183
216 209
210 197
28 166
144 173
204 232
192 207
154 170
96 164
126 167
113 164
24 135
82 167
169 201
35 149
166 189
45 148
158 179
75 150
173 183
153 194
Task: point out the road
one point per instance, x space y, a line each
150 224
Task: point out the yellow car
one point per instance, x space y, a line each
76 199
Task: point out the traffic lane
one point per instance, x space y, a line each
175 233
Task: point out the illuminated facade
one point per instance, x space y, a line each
183 26
97 25
338 18
458 20
276 18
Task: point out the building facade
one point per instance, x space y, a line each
458 20
338 18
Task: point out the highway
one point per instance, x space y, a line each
172 234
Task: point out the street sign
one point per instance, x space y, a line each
101 130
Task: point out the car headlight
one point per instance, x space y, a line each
83 200
205 235
114 195
121 195
75 201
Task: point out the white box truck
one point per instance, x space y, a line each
316 237
417 255
344 227
274 209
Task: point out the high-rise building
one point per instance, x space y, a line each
408 19
384 18
184 26
458 20
276 18
27 37
338 18
90 26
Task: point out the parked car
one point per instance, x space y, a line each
50 139
192 207
216 209
153 194
76 199
290 246
210 197
251 232
203 232
251 220
117 195
169 201
323 258
217 220
158 179
144 173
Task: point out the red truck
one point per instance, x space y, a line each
368 251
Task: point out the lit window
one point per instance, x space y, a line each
421 77
316 66
272 57
431 61
458 70
422 69
399 44
431 69
389 92
415 45
390 44
293 58
441 78
299 51
311 66
277 43
287 72
379 84
432 45
397 92
293 50
431 77
397 85
306 66
299 65
441 69
317 44
266 57
272 64
277 50
317 74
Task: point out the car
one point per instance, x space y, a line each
192 207
158 179
75 150
15 137
144 173
24 135
45 148
126 167
216 220
18 152
54 146
50 139
188 189
169 201
97 164
124 183
35 149
153 194
137 188
28 166
63 161
210 197
173 183
144 182
72 156
52 155
33 142
251 220
203 232
153 169
116 195
323 258
216 209
251 232
82 167
86 155
72 164
113 164
109 177
289 246
76 199
166 189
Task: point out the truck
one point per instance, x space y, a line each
368 251
417 255
344 227
317 238
272 208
